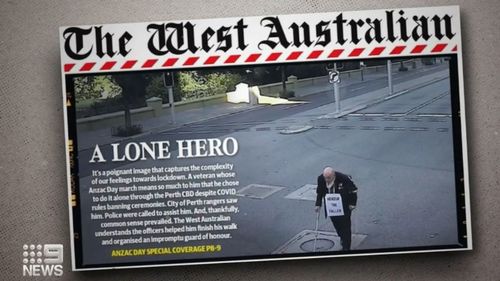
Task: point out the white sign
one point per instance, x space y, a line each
333 77
333 203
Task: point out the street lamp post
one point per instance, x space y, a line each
361 68
336 89
168 82
389 76
334 78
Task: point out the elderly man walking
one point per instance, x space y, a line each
332 182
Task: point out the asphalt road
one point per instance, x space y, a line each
403 165
241 121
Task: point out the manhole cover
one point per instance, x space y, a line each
317 245
306 192
258 191
303 242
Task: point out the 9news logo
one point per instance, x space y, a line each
42 260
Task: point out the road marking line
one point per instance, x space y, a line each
366 119
433 115
366 114
395 128
375 114
346 127
371 128
412 119
292 106
419 129
427 103
323 127
358 88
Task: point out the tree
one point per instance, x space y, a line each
197 84
95 87
283 80
133 87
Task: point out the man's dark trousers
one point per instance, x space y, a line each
342 225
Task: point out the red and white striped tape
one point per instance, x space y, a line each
255 58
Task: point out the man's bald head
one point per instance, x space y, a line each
329 174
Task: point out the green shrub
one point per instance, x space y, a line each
122 131
193 85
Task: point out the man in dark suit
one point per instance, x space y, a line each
331 181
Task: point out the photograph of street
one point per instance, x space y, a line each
387 125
